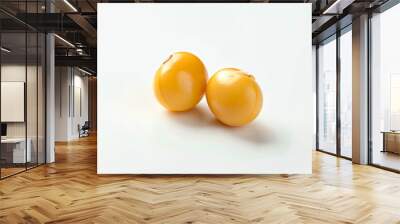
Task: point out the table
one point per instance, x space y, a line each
13 150
391 141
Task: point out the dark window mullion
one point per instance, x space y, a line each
369 91
37 90
338 91
26 86
317 95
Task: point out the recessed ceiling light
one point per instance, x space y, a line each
337 7
65 41
84 71
70 5
5 50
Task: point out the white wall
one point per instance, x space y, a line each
70 83
62 83
34 105
79 117
16 72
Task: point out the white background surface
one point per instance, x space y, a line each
136 135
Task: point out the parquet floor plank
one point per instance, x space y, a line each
70 191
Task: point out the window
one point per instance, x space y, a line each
385 89
346 93
22 101
327 96
334 106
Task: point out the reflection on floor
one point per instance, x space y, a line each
346 152
386 159
70 191
10 171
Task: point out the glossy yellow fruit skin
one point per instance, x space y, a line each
180 82
234 97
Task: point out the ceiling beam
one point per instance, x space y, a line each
337 6
84 24
321 21
83 61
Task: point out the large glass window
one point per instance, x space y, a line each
327 96
346 93
22 101
335 74
385 89
14 155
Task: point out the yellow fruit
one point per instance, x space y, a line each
180 82
234 97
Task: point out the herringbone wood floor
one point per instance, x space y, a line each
69 191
